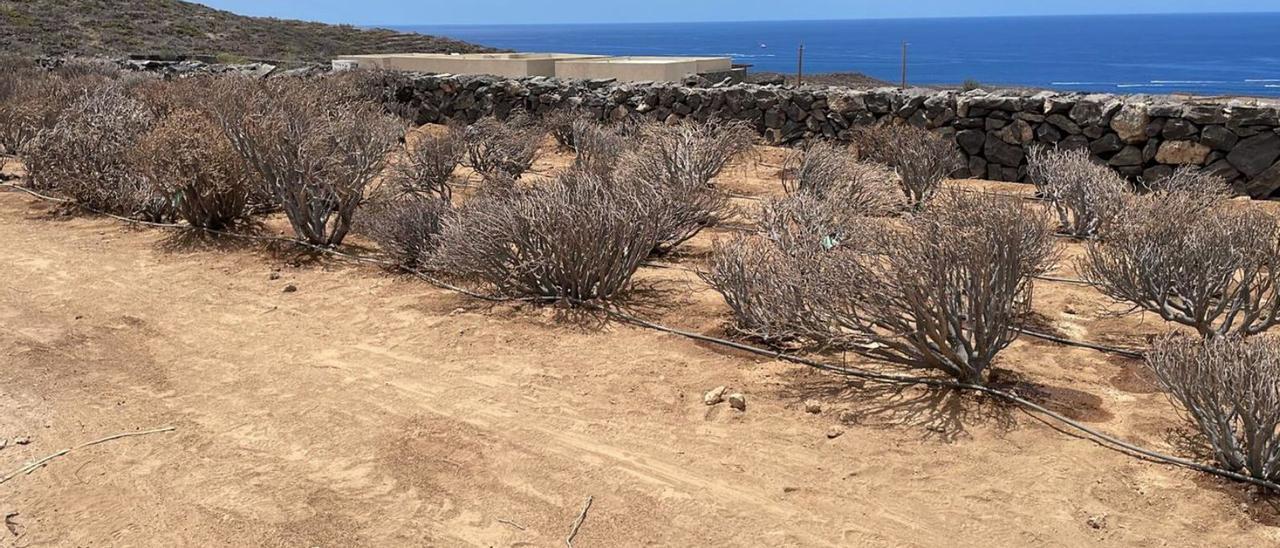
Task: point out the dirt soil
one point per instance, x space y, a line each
367 408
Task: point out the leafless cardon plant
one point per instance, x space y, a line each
951 290
494 148
832 173
1230 387
689 150
32 101
578 238
1084 193
922 159
314 148
188 159
766 288
87 155
678 164
598 148
559 123
427 166
406 227
1212 268
1193 181
945 290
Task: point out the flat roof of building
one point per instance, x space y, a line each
498 56
647 59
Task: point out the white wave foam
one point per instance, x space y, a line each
1188 82
1259 80
1082 83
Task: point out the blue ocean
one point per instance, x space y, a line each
1210 54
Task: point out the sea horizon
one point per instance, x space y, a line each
1199 53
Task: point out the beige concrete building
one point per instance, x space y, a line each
635 69
563 65
512 65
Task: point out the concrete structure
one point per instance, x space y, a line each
563 65
636 69
510 65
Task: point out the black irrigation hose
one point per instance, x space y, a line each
1102 438
1083 344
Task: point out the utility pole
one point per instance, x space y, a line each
904 65
800 66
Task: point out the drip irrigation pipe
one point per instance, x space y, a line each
1098 436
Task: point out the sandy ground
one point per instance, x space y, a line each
370 409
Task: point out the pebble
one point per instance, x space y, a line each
812 406
22 440
1098 521
275 276
716 395
4 442
738 401
835 432
290 288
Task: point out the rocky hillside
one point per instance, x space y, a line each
174 27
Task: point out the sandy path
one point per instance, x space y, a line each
367 409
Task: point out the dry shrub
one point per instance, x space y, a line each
952 290
804 222
495 149
88 67
164 97
406 228
188 159
691 151
922 159
766 288
1230 387
678 163
31 102
1212 268
577 238
1193 181
559 123
87 155
313 147
598 148
945 291
428 165
1084 193
831 173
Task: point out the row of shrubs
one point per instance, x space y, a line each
1179 247
864 252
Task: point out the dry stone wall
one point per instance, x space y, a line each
1142 137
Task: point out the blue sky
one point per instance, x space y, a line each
438 12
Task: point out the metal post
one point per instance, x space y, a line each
800 66
904 65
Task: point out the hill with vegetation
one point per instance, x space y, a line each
174 27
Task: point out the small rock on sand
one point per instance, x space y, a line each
716 395
274 276
835 432
738 401
290 288
812 406
22 440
